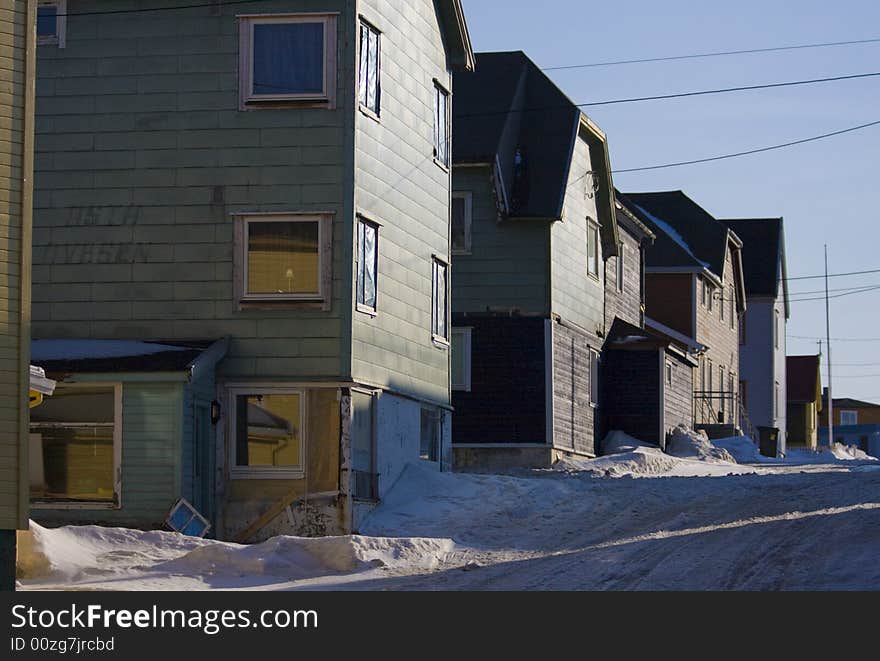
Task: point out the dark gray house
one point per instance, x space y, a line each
533 226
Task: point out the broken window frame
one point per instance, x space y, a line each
361 303
467 219
439 305
69 503
369 74
237 472
465 346
60 37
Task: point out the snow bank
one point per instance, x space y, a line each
850 452
836 454
741 448
642 461
689 444
617 441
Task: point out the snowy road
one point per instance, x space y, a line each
776 527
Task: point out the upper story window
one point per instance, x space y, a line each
439 323
441 125
621 250
369 84
592 248
52 22
775 329
286 58
462 213
732 305
710 297
461 359
367 264
849 417
668 373
282 257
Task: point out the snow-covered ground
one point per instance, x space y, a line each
637 519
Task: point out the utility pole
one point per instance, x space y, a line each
828 340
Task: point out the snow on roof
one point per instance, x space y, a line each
673 234
45 350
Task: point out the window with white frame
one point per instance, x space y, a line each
52 22
369 82
849 417
594 377
461 359
282 257
367 264
266 432
429 435
462 214
439 300
592 248
287 58
441 125
721 304
621 250
668 375
75 439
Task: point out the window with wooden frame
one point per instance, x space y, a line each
710 297
621 265
367 265
594 377
592 248
369 69
283 257
287 58
441 125
439 301
76 447
461 359
462 215
52 23
266 432
703 290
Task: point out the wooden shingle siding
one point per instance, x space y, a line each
624 305
576 296
506 403
573 416
16 121
143 157
399 185
507 266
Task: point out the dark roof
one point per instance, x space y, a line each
687 234
802 380
623 333
628 220
848 402
762 250
509 110
105 356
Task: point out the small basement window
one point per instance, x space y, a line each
266 429
283 257
52 22
287 58
75 438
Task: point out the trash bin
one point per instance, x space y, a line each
769 438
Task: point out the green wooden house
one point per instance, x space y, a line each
255 199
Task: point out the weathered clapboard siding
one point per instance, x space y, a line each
627 304
508 266
16 122
399 185
506 403
151 460
143 154
576 296
573 415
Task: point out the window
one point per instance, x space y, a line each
710 297
668 376
282 257
732 305
594 377
703 289
592 248
721 305
462 213
620 265
429 437
369 84
52 22
367 264
266 432
439 326
75 445
461 359
849 417
441 125
287 58
742 330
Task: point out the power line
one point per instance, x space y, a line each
863 290
751 151
832 275
835 339
821 291
694 56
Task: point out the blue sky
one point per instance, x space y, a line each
826 190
